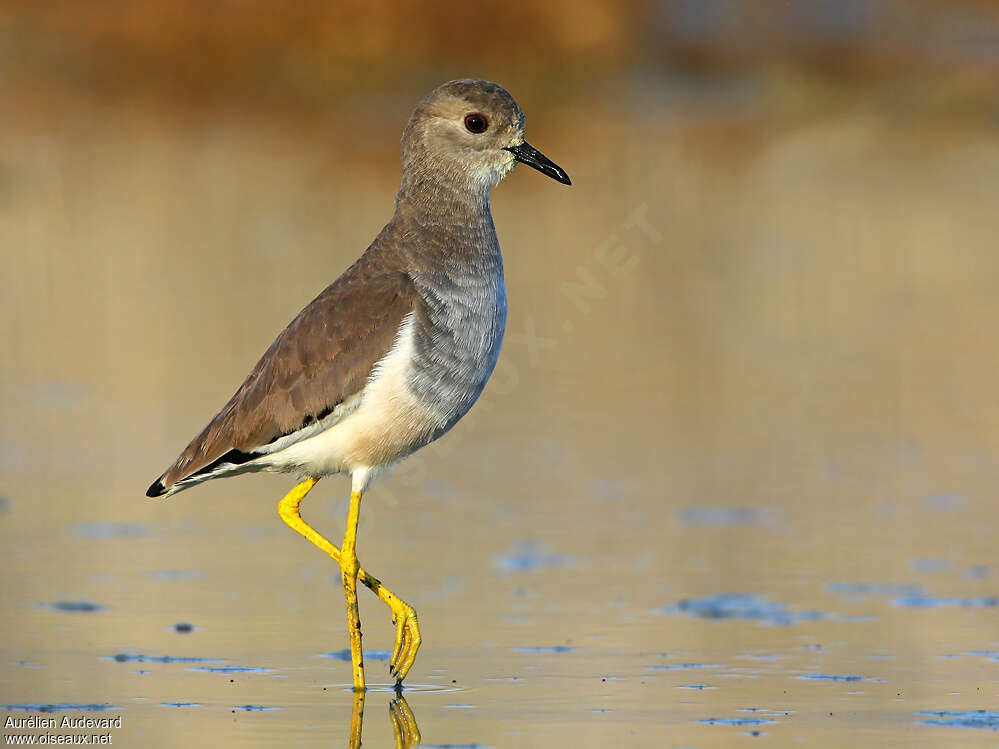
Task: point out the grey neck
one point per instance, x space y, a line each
453 223
435 201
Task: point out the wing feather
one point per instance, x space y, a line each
320 360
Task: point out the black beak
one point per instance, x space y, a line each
525 153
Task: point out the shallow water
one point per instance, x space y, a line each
733 481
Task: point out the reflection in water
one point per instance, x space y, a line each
357 719
404 728
407 733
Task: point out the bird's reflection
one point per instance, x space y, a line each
404 728
357 720
407 733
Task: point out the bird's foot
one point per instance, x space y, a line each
407 640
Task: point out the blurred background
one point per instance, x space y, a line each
744 421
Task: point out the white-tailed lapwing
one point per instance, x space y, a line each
394 352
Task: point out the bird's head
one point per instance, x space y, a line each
470 131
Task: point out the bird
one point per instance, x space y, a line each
395 351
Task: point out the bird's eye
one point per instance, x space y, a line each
476 123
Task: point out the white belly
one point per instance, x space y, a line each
385 423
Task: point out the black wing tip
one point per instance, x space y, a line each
156 489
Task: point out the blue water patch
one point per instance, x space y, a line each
934 602
253 708
681 666
876 589
82 606
977 572
100 529
175 576
180 704
726 516
140 658
945 502
854 617
369 655
60 707
232 669
832 677
542 650
4 504
914 596
608 490
962 718
740 606
737 721
908 452
184 628
694 686
930 565
529 556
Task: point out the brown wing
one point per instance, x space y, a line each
322 358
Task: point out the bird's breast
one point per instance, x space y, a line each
457 344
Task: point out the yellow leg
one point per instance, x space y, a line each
407 635
349 567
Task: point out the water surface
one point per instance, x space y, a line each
733 480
